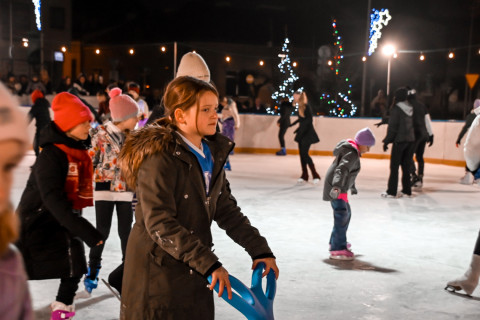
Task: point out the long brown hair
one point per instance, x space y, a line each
8 228
302 103
183 93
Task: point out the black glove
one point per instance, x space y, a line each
430 140
353 190
335 192
385 147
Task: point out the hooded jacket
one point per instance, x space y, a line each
343 171
400 124
52 233
169 252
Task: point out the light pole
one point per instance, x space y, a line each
389 51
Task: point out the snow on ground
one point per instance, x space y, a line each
406 249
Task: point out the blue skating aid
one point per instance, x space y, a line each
252 302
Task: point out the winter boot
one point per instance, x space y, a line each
304 178
316 176
469 281
281 152
91 279
60 311
467 178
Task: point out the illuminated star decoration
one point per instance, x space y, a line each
336 104
286 88
378 20
38 20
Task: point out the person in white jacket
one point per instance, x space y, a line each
469 281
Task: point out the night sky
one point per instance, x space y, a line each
415 24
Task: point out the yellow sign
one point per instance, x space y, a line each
471 79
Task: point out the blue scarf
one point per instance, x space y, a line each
206 163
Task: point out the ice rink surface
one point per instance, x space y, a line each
406 249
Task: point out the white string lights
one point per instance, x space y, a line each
338 106
285 89
378 20
38 16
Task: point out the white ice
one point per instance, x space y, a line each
406 249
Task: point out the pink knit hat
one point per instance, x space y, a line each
122 107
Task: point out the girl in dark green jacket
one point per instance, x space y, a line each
176 167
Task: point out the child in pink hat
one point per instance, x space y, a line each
111 191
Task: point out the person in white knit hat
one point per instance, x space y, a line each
191 64
15 302
469 281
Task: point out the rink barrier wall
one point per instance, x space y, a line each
259 134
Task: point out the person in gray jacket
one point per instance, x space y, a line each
339 179
402 136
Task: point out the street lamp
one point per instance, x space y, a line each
389 51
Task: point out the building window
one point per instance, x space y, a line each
57 18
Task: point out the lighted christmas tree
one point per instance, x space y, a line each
339 101
285 89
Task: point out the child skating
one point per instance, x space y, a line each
59 187
177 169
339 179
111 190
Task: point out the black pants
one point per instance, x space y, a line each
36 143
104 214
419 150
68 288
402 153
281 135
477 246
303 148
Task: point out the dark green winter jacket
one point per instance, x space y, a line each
169 252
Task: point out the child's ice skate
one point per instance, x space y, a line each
349 246
91 279
417 181
227 166
281 152
61 311
469 281
342 255
467 178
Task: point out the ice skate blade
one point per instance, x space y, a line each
342 258
115 293
454 290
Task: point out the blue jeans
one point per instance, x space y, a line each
341 220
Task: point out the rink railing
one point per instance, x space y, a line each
259 134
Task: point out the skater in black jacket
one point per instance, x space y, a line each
401 135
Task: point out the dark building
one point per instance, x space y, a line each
24 48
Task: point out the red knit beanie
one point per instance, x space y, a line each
69 111
37 94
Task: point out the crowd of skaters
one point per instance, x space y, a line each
52 202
